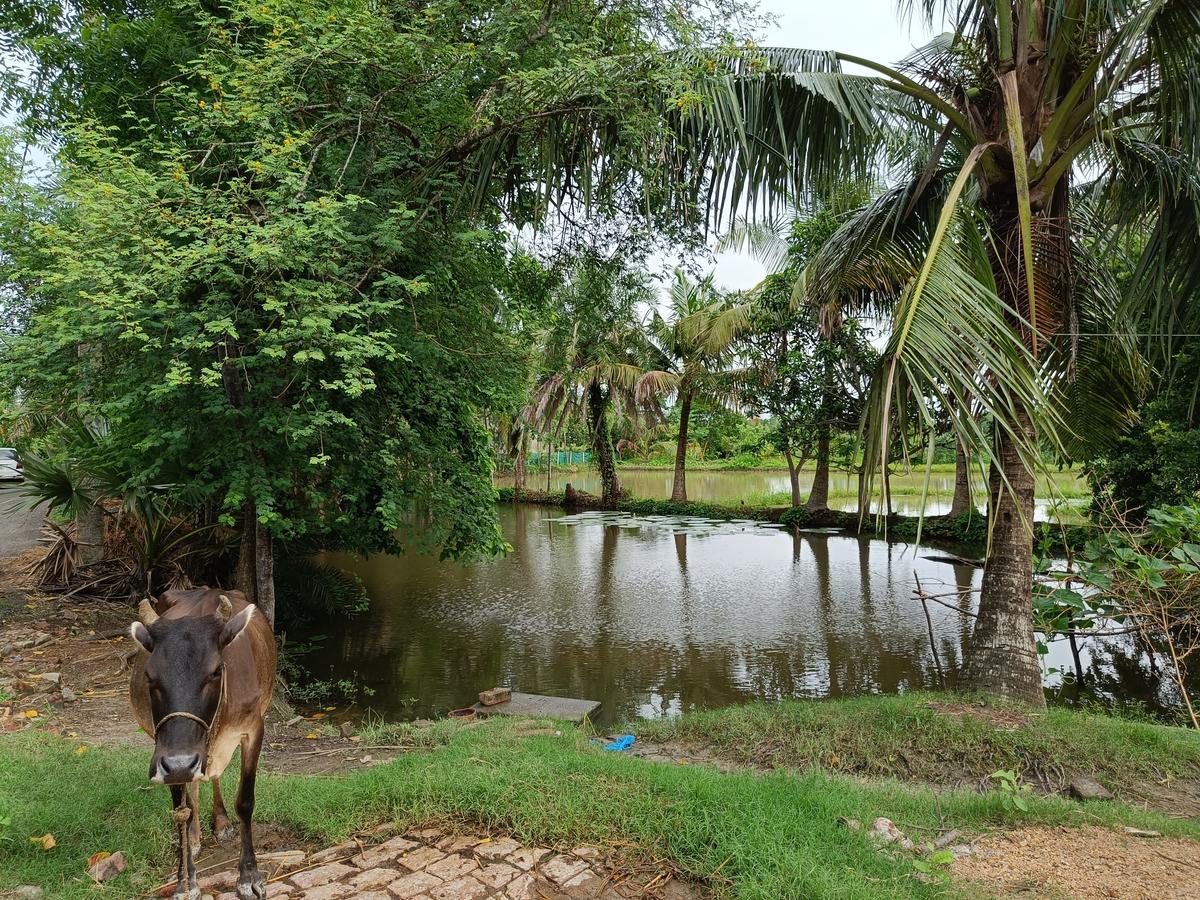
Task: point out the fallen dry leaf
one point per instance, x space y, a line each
31 713
96 857
46 840
312 736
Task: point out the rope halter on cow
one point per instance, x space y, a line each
149 617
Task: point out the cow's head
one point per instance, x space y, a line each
184 677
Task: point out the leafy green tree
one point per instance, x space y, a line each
810 365
272 256
692 351
975 253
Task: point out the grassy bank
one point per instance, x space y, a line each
938 738
764 836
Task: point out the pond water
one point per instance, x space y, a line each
654 617
739 487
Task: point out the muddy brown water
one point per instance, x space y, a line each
657 616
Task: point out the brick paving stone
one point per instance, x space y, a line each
215 884
495 851
374 895
527 857
465 888
228 895
337 851
587 852
417 860
330 891
497 875
321 875
456 843
279 889
413 885
521 888
452 867
562 869
587 883
382 853
374 877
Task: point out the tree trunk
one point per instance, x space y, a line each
610 487
793 474
961 504
1002 658
89 534
519 472
264 559
255 572
818 497
679 487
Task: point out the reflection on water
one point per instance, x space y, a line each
738 487
649 619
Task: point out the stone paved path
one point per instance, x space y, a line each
430 864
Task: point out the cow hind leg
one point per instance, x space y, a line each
250 884
221 826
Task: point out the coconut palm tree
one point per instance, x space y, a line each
593 357
975 250
691 351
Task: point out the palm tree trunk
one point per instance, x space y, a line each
519 472
818 497
961 504
610 487
1002 658
679 487
89 534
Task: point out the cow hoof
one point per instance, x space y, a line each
186 894
253 888
224 833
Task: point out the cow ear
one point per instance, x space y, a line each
237 624
141 634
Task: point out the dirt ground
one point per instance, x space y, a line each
1083 863
74 681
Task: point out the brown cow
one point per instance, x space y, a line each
201 687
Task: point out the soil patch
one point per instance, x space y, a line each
1083 863
64 668
994 716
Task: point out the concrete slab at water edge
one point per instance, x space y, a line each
539 706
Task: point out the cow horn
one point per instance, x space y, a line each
146 613
224 608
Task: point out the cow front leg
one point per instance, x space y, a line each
250 884
221 826
185 873
193 793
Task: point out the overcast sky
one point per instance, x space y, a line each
869 28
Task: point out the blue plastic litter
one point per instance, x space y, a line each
624 742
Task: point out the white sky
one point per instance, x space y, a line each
868 28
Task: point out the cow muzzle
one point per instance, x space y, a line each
182 768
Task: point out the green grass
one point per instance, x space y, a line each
903 736
769 836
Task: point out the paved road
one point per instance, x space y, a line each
19 526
